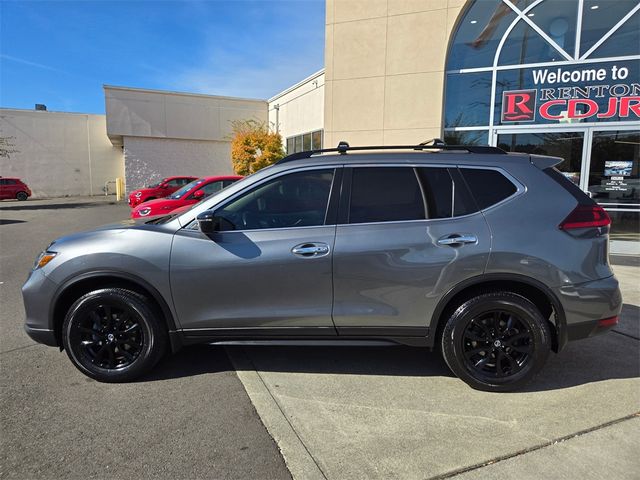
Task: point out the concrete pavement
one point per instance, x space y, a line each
397 412
191 418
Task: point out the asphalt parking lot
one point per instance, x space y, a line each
332 412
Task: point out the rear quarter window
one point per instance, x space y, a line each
488 187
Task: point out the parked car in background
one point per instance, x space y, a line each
187 195
158 190
13 188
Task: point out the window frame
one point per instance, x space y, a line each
345 199
332 202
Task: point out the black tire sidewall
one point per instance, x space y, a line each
452 339
152 333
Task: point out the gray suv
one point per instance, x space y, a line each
495 259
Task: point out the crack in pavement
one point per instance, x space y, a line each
493 461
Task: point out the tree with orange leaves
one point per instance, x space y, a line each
253 146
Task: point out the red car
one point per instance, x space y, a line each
187 195
158 190
13 188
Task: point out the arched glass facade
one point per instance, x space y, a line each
555 77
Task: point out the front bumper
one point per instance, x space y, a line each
37 294
586 304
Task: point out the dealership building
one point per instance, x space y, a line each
555 77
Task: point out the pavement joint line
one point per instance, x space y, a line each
236 361
550 443
625 334
21 348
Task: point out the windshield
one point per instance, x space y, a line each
179 193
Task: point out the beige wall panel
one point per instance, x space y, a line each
410 136
397 7
59 153
328 52
362 49
417 43
329 5
349 10
456 3
328 106
413 101
452 18
137 112
355 138
358 104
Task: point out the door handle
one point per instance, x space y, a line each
457 239
311 249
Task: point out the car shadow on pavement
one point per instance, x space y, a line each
606 357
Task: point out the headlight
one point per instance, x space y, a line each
143 212
138 194
44 258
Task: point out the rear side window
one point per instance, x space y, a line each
385 194
488 186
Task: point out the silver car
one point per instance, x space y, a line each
494 259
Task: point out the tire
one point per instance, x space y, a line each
22 196
496 342
114 335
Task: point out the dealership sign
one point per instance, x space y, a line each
600 93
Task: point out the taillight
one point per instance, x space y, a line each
586 216
608 322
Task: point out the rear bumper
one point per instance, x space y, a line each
586 304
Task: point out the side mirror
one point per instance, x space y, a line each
208 222
198 194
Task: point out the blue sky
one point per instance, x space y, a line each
60 53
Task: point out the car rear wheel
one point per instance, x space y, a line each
113 335
496 342
22 196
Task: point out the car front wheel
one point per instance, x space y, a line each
113 335
496 342
22 196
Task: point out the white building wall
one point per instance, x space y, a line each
300 108
60 153
149 160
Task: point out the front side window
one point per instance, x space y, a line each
295 200
385 194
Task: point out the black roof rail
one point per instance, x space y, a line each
343 148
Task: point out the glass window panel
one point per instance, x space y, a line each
385 194
293 200
625 40
316 142
291 146
598 17
306 142
467 100
479 33
466 137
298 147
564 145
558 19
525 45
438 190
487 186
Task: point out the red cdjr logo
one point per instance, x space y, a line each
519 105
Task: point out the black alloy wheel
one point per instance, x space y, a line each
110 336
496 341
22 196
114 335
497 344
